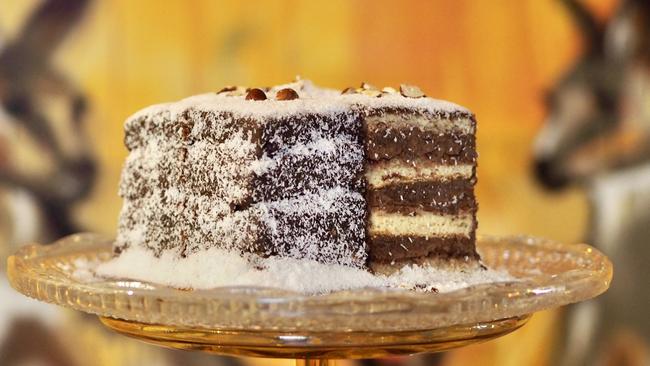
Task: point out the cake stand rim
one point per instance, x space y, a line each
599 283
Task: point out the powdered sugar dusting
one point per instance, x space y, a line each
216 268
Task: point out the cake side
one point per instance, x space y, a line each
182 178
286 184
420 171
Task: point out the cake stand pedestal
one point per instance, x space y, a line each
315 348
359 323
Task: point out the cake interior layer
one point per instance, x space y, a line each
388 142
409 120
388 172
455 265
420 223
452 197
387 248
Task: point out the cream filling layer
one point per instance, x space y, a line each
460 126
421 224
394 171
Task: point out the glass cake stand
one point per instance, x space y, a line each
267 322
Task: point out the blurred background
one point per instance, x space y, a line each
561 90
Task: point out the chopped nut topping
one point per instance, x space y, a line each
233 91
255 94
348 91
227 89
286 94
389 90
366 86
410 91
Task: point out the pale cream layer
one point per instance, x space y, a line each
395 171
463 126
423 223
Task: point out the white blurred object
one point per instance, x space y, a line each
597 135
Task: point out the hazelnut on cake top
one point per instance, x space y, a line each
365 179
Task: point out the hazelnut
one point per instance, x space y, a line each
286 94
255 94
410 91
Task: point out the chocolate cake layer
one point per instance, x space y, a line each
333 220
452 197
271 135
291 153
387 248
298 169
390 143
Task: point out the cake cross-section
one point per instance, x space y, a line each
369 179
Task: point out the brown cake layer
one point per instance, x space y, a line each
451 197
285 131
288 176
409 144
326 227
385 248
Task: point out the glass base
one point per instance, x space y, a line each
315 345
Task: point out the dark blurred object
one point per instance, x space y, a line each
45 166
44 151
597 134
431 359
31 342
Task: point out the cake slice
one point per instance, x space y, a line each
420 170
367 179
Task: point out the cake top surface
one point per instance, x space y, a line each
309 99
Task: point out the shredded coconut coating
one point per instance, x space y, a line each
270 177
218 268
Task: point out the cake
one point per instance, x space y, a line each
365 178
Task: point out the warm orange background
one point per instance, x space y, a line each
495 56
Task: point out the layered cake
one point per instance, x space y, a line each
365 178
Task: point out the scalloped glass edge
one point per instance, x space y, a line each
550 274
